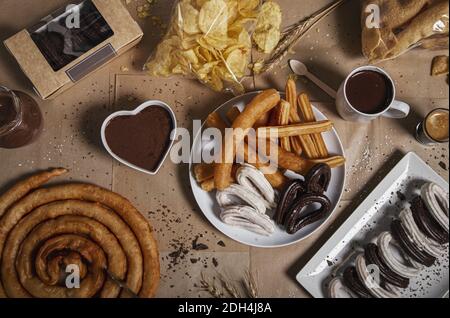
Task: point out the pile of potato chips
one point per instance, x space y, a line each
211 40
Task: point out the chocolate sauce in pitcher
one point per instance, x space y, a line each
20 119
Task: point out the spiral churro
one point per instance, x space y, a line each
43 229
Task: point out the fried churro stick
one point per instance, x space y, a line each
333 162
263 120
277 179
291 97
232 114
307 113
203 172
260 105
215 121
295 129
280 117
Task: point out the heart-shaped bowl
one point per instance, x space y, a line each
145 105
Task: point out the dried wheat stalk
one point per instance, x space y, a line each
293 34
250 285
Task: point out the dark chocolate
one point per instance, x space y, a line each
290 194
352 282
372 257
409 247
318 179
426 222
296 219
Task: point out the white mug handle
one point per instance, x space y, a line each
398 110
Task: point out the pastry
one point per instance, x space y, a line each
418 243
248 218
295 129
308 116
245 204
426 222
337 289
408 245
297 219
237 194
299 195
436 201
251 178
318 179
370 284
384 242
353 282
372 256
82 219
260 105
291 97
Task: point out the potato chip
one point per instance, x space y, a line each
248 8
237 62
267 33
191 56
270 16
188 18
211 40
213 18
233 11
267 40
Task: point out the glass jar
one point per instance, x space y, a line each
20 119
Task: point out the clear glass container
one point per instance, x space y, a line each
20 119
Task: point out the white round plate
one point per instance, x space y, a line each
207 201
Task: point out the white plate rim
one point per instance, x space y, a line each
194 183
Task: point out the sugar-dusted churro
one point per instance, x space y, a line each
308 116
260 105
295 129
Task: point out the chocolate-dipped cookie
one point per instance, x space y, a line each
426 223
351 280
372 256
409 247
318 179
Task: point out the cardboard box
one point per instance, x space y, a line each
73 42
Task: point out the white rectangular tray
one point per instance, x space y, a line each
372 217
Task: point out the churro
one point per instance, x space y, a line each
295 129
260 105
215 121
276 179
291 97
280 117
307 113
203 172
333 162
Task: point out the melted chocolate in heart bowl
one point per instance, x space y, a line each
141 139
